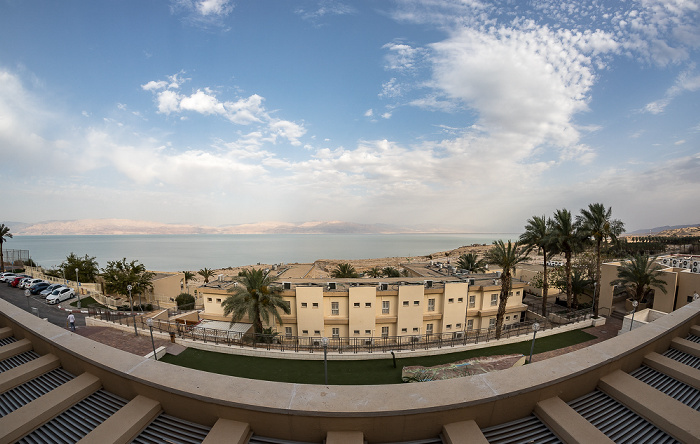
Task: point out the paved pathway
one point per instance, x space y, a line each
603 332
123 340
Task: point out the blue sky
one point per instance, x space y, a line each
467 114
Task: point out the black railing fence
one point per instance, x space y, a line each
337 344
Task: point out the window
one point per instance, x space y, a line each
404 330
288 332
335 309
472 301
208 299
429 329
451 301
492 322
448 326
517 293
460 300
431 304
458 326
356 332
317 332
405 303
368 305
368 332
218 301
416 303
356 305
303 305
494 300
515 316
385 308
314 305
507 318
385 332
336 333
306 332
415 329
470 324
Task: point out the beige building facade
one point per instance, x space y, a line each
359 308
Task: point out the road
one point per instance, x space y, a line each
54 315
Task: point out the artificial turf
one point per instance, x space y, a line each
367 372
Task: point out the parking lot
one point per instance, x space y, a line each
36 304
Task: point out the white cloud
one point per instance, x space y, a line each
168 102
391 88
325 8
154 85
687 81
401 57
386 115
214 7
369 113
203 103
203 13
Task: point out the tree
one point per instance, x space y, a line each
580 282
638 275
87 268
374 272
185 301
206 273
471 263
255 298
344 271
568 240
505 257
4 236
118 275
188 276
538 235
597 224
391 272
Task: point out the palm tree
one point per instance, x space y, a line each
505 257
471 262
206 273
344 271
4 235
567 239
188 275
596 222
580 283
391 272
255 298
638 275
374 272
538 234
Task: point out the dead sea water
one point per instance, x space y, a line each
193 252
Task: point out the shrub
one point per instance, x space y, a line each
184 301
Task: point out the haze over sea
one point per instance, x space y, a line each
193 252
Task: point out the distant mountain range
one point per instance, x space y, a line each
675 230
127 226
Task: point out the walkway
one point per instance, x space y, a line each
127 341
603 332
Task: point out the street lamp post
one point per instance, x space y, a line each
535 327
77 286
324 341
634 306
131 304
149 321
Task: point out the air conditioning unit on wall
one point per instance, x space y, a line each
458 335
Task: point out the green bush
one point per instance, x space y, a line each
185 301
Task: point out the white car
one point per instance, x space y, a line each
5 276
29 282
60 295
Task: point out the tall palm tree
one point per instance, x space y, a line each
206 273
505 257
538 234
597 224
471 262
374 272
391 272
568 240
344 270
255 298
638 275
188 275
4 235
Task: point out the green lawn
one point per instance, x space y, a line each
85 301
376 371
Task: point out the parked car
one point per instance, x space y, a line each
29 282
48 290
15 282
7 275
39 287
60 295
23 281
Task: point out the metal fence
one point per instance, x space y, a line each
335 344
15 259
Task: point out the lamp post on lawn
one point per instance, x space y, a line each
535 327
149 321
77 287
634 306
324 341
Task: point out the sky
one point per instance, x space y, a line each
469 114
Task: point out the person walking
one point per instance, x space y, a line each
71 321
